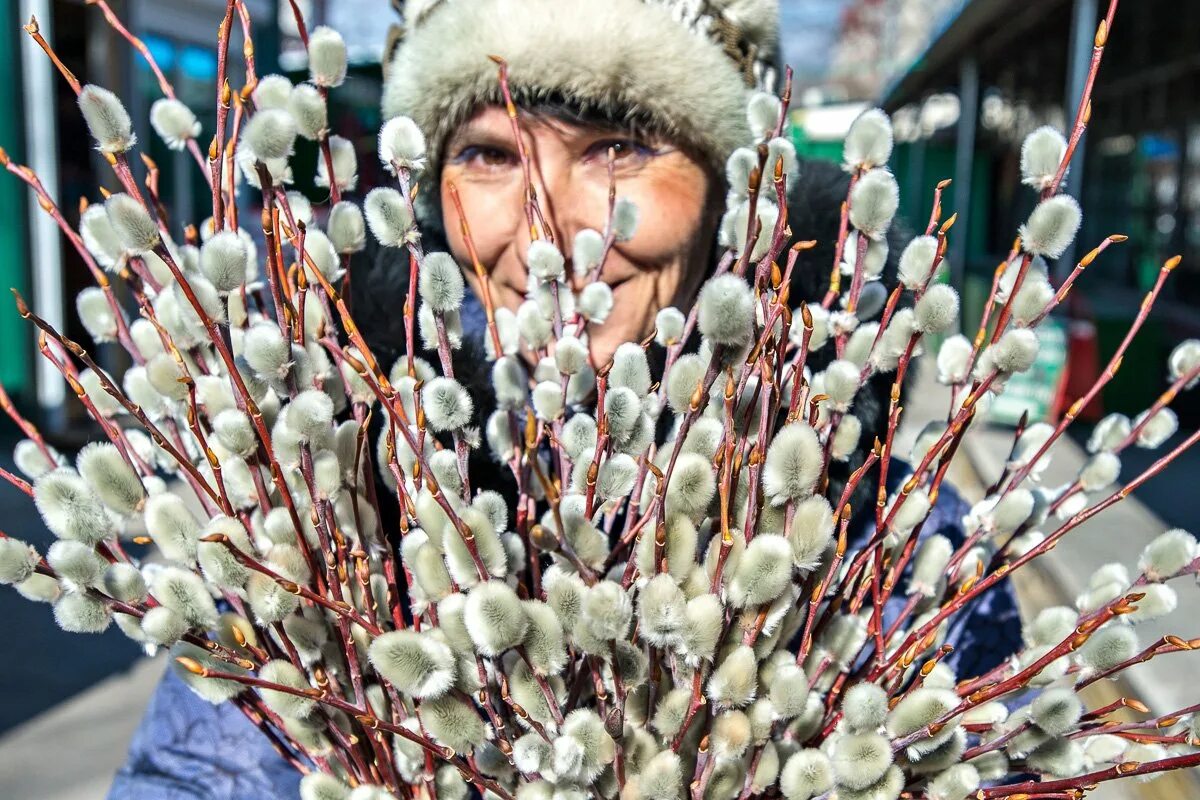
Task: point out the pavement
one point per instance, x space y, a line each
1117 535
57 755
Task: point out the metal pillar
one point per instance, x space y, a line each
41 140
964 159
1084 19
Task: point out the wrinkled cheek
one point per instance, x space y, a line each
492 214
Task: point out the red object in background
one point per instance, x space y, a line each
1083 368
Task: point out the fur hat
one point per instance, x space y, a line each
679 68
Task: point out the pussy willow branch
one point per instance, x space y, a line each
165 85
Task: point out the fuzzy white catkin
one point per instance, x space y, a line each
1168 554
174 122
132 223
389 217
958 782
286 704
1184 359
401 144
916 262
726 310
860 759
545 260
17 561
586 251
737 171
76 612
668 326
267 352
1056 711
622 408
547 400
691 487
595 302
812 531
96 314
1052 226
494 617
416 663
736 227
33 461
185 593
806 774
163 626
346 228
1041 154
929 567
1015 351
1108 647
107 119
1109 433
864 707
616 477
662 777
271 134
272 91
937 310
69 507
509 383
781 149
223 260
919 708
873 203
111 478
345 165
625 217
307 108
310 415
762 112
570 355
172 527
841 383
320 786
326 57
1158 429
447 404
661 610
76 563
792 465
869 141
735 681
1159 600
763 572
440 282
99 237
630 369
140 390
1100 472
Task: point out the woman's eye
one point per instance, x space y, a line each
621 149
482 156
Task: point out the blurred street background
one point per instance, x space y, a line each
965 80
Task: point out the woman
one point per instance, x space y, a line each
662 86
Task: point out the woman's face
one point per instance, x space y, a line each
663 264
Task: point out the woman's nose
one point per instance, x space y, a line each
571 197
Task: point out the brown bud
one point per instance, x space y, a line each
191 665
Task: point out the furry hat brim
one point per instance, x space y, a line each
625 59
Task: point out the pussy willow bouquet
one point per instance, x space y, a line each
668 604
